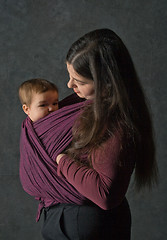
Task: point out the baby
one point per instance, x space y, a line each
38 97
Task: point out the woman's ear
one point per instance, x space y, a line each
25 109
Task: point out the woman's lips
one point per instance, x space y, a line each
76 91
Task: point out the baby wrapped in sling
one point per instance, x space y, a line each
40 143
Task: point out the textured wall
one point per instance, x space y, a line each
34 38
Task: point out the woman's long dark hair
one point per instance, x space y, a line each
119 104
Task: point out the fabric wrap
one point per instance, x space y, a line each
40 143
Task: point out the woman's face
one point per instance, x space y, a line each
82 86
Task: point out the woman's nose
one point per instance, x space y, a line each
70 83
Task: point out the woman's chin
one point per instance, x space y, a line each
79 94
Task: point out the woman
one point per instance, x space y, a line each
112 137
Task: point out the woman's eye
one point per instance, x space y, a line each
81 83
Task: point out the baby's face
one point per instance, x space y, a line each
42 104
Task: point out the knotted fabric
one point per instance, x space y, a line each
40 143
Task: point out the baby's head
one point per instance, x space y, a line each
38 97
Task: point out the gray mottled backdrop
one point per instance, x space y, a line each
34 38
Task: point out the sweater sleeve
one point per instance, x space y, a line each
106 183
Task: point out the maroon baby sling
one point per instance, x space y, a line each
40 143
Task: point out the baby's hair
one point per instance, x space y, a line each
36 85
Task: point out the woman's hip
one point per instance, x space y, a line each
83 222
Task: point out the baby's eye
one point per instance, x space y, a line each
54 104
42 105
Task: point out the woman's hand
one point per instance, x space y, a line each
59 157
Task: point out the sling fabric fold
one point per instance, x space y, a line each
40 143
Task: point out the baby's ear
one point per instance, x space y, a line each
25 109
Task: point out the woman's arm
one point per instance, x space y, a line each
106 183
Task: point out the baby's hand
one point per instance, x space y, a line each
59 157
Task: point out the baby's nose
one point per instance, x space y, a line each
51 108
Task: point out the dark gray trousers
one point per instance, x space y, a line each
74 222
